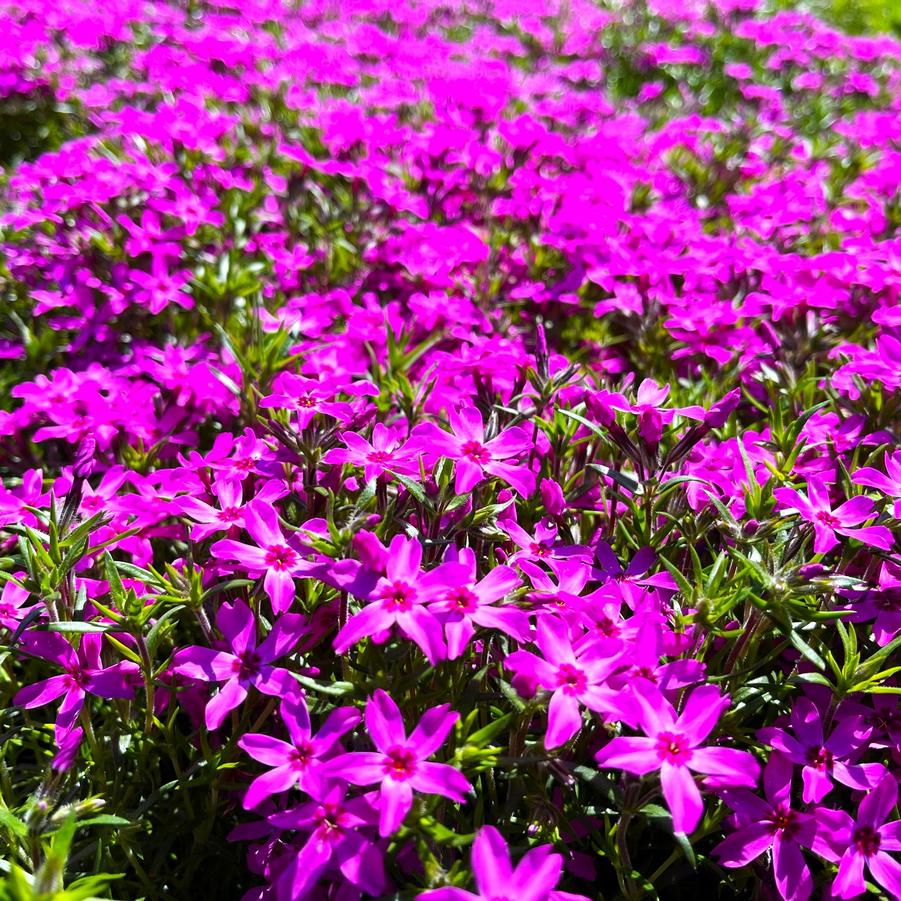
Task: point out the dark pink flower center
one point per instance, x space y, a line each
378 457
330 819
78 676
247 665
820 758
245 464
400 763
571 679
476 452
673 747
92 502
301 756
280 557
785 820
463 599
646 673
866 841
607 627
825 517
306 402
229 514
539 550
399 595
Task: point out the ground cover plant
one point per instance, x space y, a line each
449 450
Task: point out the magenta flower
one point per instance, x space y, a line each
307 397
246 664
673 746
652 415
867 841
772 824
279 558
296 763
399 598
889 482
335 825
475 458
465 603
83 673
816 508
824 759
384 453
575 678
400 764
533 879
230 512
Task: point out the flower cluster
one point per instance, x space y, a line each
448 451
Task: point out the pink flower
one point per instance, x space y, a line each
532 879
474 457
889 484
246 664
673 746
386 452
296 763
576 678
867 839
816 508
83 674
399 598
772 824
399 765
280 559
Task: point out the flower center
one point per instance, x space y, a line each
571 679
463 599
247 664
866 840
245 464
301 756
400 763
646 673
825 517
476 452
820 758
607 627
306 402
280 557
78 676
379 457
539 550
785 820
399 595
230 514
673 747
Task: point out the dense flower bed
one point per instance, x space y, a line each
450 450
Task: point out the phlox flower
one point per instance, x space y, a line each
83 674
772 824
337 828
400 763
246 664
399 598
816 508
534 878
863 842
296 763
466 602
576 678
230 512
385 452
673 747
889 482
279 558
823 759
475 458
